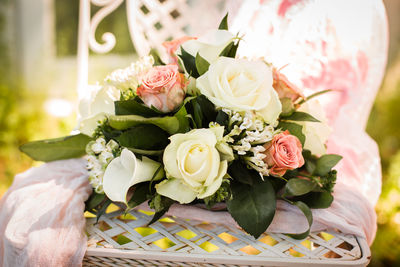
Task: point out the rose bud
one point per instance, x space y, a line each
162 87
172 46
284 153
284 88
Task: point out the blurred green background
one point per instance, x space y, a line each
27 111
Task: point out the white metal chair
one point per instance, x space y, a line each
124 239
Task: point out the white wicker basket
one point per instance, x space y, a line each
125 240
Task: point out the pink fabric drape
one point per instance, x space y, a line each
41 219
326 46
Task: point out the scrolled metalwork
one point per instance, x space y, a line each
108 38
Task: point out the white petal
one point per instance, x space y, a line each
87 99
104 100
89 124
273 109
218 131
225 151
211 189
214 168
126 171
210 45
118 176
170 159
176 190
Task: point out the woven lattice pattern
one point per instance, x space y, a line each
156 21
117 231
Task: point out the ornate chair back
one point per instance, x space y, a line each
150 23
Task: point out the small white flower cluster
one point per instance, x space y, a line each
124 79
254 133
99 155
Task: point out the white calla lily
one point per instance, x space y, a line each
95 106
125 171
210 45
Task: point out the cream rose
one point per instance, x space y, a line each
241 85
210 45
193 165
316 133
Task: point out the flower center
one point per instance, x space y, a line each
196 157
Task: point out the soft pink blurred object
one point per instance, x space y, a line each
326 46
41 221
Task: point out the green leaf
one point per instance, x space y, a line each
146 152
94 200
197 114
157 216
252 207
139 196
277 183
300 116
133 107
58 148
161 205
157 60
298 187
202 65
317 200
181 115
189 63
207 108
287 106
168 123
294 129
145 136
223 25
325 163
230 50
314 95
310 161
202 110
156 174
307 212
103 209
240 173
222 118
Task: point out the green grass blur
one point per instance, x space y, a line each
384 127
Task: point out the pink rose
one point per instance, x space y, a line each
284 153
173 45
284 88
162 87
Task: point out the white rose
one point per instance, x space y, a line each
241 85
210 45
193 165
95 105
316 133
125 171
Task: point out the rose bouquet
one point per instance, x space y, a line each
206 127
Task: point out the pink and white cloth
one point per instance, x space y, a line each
326 46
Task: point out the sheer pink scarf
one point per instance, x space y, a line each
326 47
